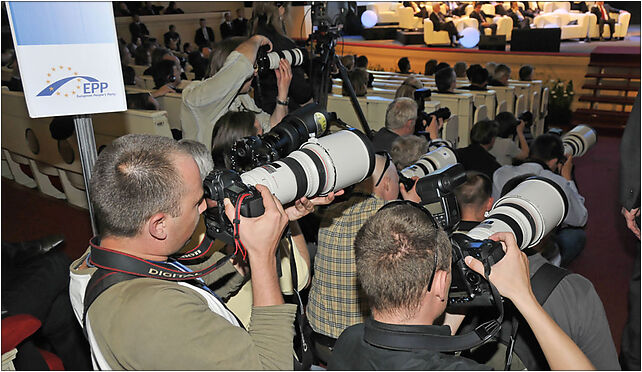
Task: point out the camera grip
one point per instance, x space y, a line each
252 205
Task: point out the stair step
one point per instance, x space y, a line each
625 88
612 76
601 120
608 99
622 64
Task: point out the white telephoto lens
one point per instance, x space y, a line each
579 140
430 162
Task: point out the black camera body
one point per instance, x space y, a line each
467 287
436 191
221 184
422 116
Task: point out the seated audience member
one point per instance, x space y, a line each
478 77
204 35
404 65
481 17
35 281
239 23
546 159
431 67
408 87
160 54
268 22
526 73
400 121
172 9
129 74
167 74
362 63
490 67
187 48
405 272
348 62
359 80
446 80
441 65
573 302
153 223
420 9
476 156
121 9
440 24
198 63
579 6
505 149
172 39
226 27
520 21
500 76
138 29
226 89
460 69
602 11
405 151
335 300
143 56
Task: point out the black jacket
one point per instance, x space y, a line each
474 157
199 39
227 30
609 9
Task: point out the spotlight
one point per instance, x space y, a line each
369 19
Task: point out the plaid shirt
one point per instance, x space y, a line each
336 300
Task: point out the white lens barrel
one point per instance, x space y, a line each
320 166
294 56
530 211
578 140
430 162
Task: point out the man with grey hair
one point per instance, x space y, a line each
500 76
400 121
405 151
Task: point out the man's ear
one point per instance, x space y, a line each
489 204
157 226
440 285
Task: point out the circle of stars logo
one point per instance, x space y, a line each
60 72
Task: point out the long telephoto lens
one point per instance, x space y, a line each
579 140
430 162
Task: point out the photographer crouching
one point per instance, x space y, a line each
229 78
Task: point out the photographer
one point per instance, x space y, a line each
572 302
226 89
148 196
505 149
476 156
408 289
546 159
335 300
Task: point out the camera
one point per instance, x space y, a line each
530 211
579 140
328 15
317 168
422 116
270 61
427 163
438 197
296 128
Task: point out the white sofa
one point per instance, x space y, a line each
562 19
432 37
387 11
504 25
551 6
621 25
407 19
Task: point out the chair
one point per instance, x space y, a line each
407 19
16 329
481 113
551 6
386 11
450 130
432 37
621 25
520 104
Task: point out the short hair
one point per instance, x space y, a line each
171 26
361 61
404 65
460 69
400 111
546 147
134 178
406 150
201 155
441 65
483 132
185 46
348 61
501 71
430 67
359 79
230 127
408 87
526 72
475 191
490 66
477 74
201 19
162 72
507 124
221 51
444 79
394 264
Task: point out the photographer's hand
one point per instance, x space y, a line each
283 79
261 236
434 126
305 206
412 193
566 170
511 277
251 46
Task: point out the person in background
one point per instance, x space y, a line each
520 21
405 151
239 23
476 156
602 11
430 67
481 17
408 87
204 35
172 39
440 24
404 65
526 73
460 69
500 76
172 9
362 63
505 150
478 77
138 29
226 27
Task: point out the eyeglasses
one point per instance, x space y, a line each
432 220
385 167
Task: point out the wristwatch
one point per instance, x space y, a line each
283 103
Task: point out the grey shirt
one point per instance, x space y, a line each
504 150
577 214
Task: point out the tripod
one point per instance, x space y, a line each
321 69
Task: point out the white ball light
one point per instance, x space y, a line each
369 19
470 37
